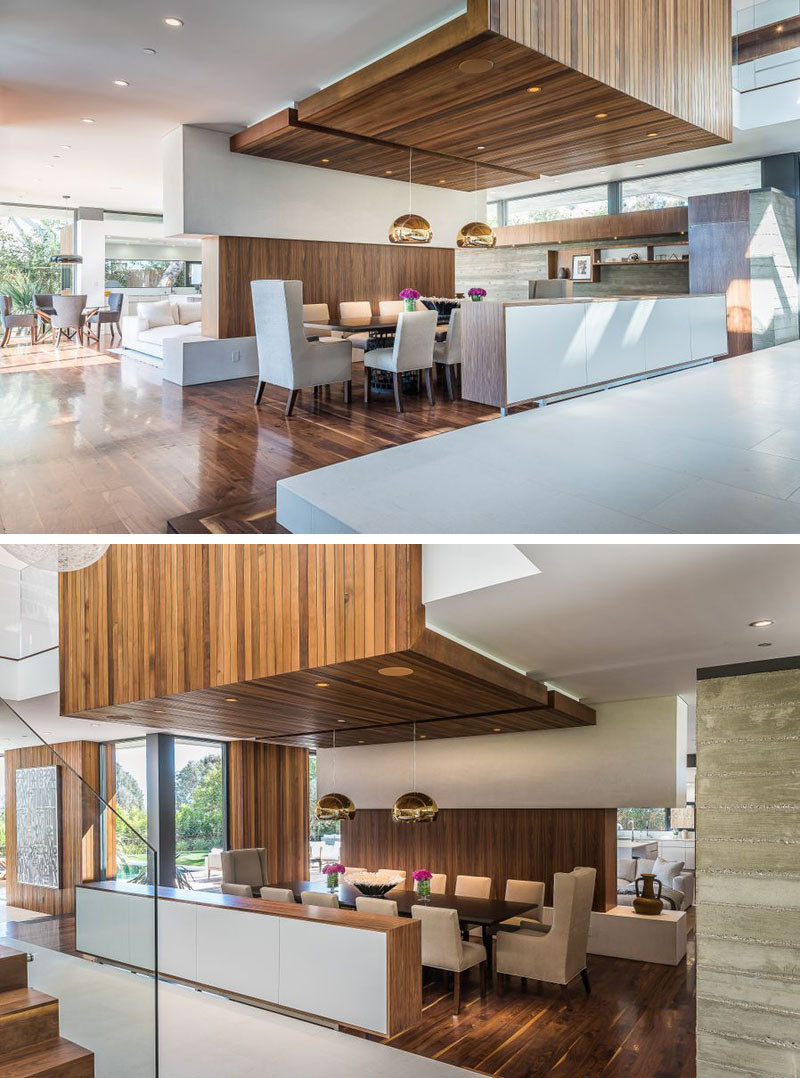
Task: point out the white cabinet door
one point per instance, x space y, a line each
338 973
709 321
668 336
142 930
177 939
615 339
545 349
239 951
101 924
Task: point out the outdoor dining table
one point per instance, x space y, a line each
484 913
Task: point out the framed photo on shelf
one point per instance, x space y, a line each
581 267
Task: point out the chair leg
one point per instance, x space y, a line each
585 979
456 993
448 375
58 338
259 392
367 385
6 338
483 980
293 395
429 385
398 391
348 391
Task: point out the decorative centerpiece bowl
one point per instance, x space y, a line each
373 884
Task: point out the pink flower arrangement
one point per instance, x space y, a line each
421 874
409 293
333 870
479 292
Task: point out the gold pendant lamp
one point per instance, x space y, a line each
333 807
476 233
414 807
410 228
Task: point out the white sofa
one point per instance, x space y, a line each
170 319
680 888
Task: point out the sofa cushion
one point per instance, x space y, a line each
158 334
156 314
188 312
626 869
666 871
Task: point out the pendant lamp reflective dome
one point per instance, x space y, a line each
414 807
57 557
476 234
331 807
410 227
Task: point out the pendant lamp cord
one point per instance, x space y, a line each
414 776
476 191
334 759
410 187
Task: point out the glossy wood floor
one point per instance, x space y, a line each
638 1021
90 442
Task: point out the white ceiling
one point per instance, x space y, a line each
615 622
228 66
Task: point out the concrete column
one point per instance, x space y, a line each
90 244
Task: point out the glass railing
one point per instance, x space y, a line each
64 848
750 14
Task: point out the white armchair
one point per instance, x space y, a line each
285 357
557 955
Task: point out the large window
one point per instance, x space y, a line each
29 237
144 273
559 205
131 763
662 192
325 838
199 804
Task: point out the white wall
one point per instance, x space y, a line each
634 757
90 243
210 191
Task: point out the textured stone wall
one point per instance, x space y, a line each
748 875
773 268
505 271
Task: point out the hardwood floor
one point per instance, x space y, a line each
638 1021
90 442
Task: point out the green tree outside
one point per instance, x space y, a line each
25 254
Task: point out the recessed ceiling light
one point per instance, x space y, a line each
325 160
442 181
121 82
87 120
395 671
640 166
496 730
65 147
423 737
322 684
172 20
765 644
475 67
534 89
150 52
389 171
601 116
652 134
762 623
361 742
481 147
341 720
231 700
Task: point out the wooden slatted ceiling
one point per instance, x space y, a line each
661 68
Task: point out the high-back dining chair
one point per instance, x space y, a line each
443 948
558 955
9 321
285 356
277 894
240 890
319 312
392 872
474 886
412 351
68 317
320 898
447 353
247 867
386 906
110 318
44 310
355 309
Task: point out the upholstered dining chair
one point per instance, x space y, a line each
557 955
438 883
392 872
519 891
319 312
277 894
386 906
285 357
248 867
412 351
44 310
110 318
319 898
361 309
69 317
352 868
9 321
240 890
447 353
474 886
443 948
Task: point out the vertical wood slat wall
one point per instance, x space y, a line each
148 621
528 844
673 54
268 805
81 815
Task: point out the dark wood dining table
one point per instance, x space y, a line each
483 913
377 324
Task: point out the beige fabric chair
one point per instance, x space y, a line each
319 312
438 883
320 898
277 894
520 891
69 317
412 351
285 356
560 954
447 353
349 869
241 890
357 309
443 948
245 866
385 906
474 886
9 321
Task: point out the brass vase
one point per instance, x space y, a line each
647 902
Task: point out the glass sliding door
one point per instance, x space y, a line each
131 803
199 811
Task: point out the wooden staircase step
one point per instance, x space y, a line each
57 1058
13 969
27 1017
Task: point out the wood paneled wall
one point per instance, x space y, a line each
268 805
673 54
330 272
521 844
148 621
719 259
81 816
674 221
